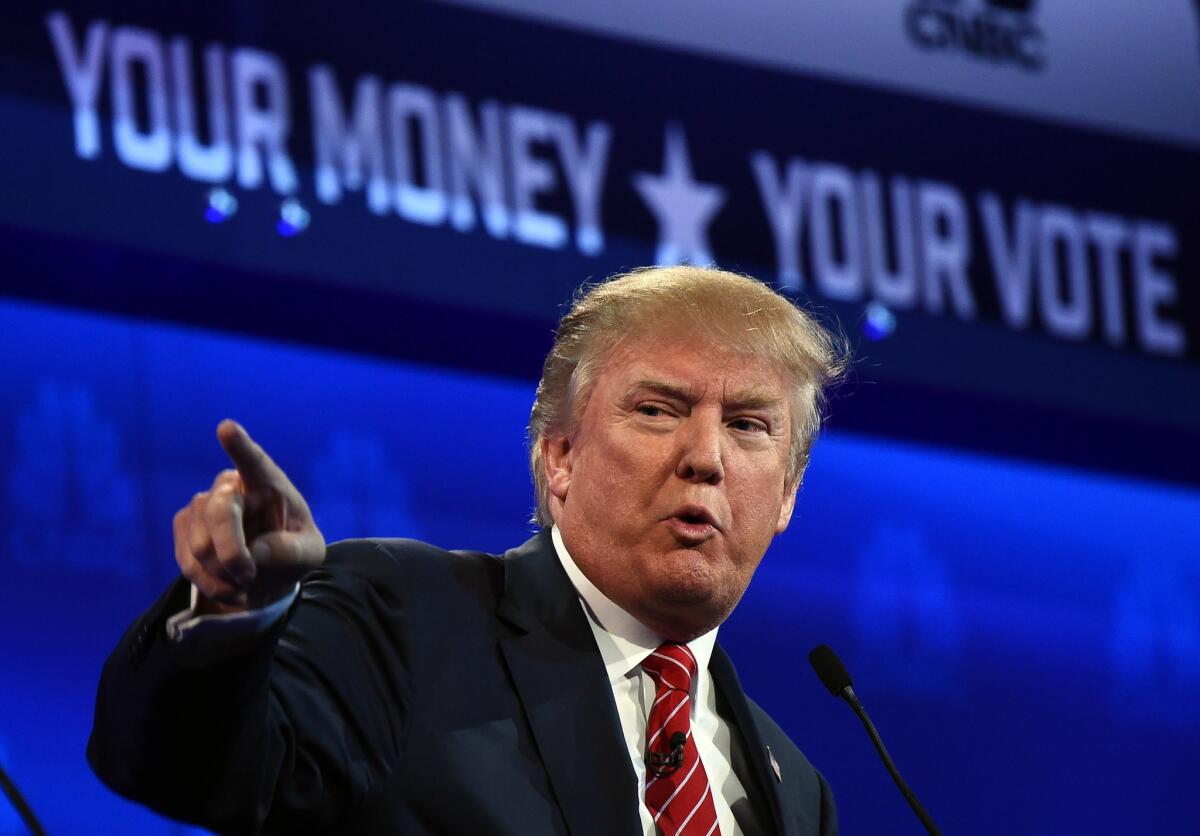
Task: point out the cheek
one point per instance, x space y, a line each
624 460
605 477
759 501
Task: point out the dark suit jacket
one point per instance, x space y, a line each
409 690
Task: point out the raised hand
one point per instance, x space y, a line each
246 540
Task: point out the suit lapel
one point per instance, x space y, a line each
562 685
769 788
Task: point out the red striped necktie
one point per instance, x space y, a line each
677 791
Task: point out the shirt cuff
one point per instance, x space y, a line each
185 628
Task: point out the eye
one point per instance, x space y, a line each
651 410
748 425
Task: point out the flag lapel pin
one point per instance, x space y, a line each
775 765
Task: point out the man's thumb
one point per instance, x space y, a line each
285 547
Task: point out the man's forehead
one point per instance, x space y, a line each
739 392
732 378
688 354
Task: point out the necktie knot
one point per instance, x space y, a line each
672 666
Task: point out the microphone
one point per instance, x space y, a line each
837 679
664 763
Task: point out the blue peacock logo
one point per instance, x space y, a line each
74 505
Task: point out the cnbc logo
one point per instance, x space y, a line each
994 31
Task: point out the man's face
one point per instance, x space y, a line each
672 485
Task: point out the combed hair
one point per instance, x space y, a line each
734 311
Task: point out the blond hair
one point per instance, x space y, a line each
737 311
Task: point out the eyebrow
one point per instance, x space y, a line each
661 387
755 398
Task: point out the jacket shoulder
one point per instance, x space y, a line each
390 566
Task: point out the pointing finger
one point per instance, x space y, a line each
255 466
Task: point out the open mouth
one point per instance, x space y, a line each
692 523
695 515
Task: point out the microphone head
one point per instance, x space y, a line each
830 669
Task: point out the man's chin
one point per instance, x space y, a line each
683 618
686 575
692 596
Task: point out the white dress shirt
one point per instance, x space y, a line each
624 642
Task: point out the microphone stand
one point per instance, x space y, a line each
852 699
20 805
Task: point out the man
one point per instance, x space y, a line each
572 685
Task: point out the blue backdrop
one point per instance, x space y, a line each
1027 636
351 228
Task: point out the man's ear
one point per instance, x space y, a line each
557 459
785 510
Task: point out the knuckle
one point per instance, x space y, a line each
220 551
225 558
216 508
230 496
198 540
231 554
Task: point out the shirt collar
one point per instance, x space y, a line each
623 640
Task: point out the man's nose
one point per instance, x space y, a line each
700 454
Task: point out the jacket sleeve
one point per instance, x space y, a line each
288 734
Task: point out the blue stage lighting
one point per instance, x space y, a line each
293 218
878 322
221 206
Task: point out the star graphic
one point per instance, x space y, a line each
682 206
